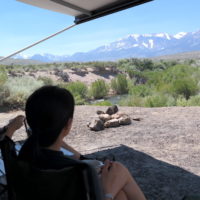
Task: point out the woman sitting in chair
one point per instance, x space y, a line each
49 113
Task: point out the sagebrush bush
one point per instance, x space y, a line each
18 89
185 86
3 76
79 100
133 101
99 89
120 84
77 88
159 100
140 90
194 101
46 80
181 101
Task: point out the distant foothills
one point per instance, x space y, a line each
135 45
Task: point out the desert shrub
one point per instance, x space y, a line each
194 101
177 72
79 100
146 64
136 64
134 101
185 86
140 90
46 80
3 76
18 89
159 100
103 103
99 89
99 66
181 101
154 78
77 88
120 84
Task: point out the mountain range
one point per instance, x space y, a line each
134 45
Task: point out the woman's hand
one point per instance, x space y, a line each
113 177
14 125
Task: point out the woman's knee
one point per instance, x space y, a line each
122 169
120 166
121 196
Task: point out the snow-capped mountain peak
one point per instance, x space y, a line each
21 56
134 45
147 35
135 36
163 35
180 35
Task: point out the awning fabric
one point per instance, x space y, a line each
85 10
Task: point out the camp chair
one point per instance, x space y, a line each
73 183
194 197
3 184
27 182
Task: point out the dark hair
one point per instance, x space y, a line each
48 110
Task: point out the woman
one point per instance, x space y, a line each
49 113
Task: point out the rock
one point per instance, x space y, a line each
104 117
88 124
63 75
96 125
125 120
137 119
112 110
118 115
100 112
111 123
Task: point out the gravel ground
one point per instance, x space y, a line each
162 151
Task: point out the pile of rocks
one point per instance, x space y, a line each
111 118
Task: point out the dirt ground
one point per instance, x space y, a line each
162 151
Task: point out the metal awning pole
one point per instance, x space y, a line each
38 42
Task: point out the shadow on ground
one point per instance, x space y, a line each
158 180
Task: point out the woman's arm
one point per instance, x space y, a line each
14 125
7 145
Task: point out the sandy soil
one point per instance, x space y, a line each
162 151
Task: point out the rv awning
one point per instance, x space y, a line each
85 10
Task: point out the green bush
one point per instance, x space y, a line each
77 88
3 76
133 101
140 90
18 89
99 89
79 100
194 101
46 80
159 101
185 86
120 84
103 103
181 101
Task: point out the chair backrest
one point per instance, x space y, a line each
76 182
73 183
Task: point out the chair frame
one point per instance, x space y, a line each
91 183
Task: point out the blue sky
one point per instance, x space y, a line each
23 24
